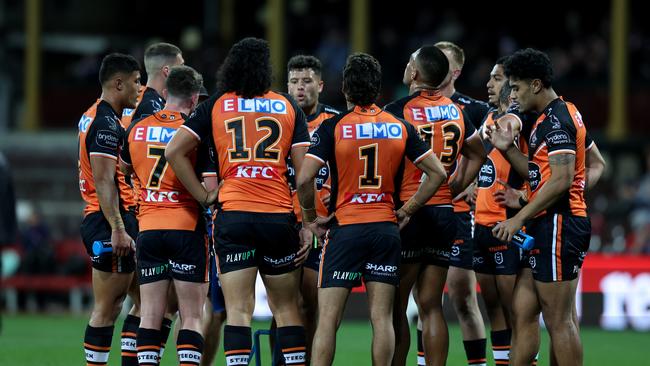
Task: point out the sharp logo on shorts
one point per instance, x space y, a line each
368 198
408 254
556 138
280 262
154 271
436 113
182 267
160 196
487 175
154 134
498 257
439 252
376 130
107 139
380 268
346 276
255 105
237 257
534 175
247 171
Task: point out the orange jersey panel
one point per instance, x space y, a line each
558 130
252 138
100 134
365 149
165 204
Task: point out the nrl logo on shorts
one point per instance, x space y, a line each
498 258
532 262
455 251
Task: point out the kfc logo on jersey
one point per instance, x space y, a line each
154 134
255 105
247 171
436 113
369 198
377 130
160 196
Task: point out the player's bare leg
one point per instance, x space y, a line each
380 300
553 358
153 309
557 300
331 303
309 291
109 292
239 292
526 309
493 305
408 276
461 283
435 335
212 322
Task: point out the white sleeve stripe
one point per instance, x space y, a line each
124 161
591 145
192 132
427 153
306 143
563 151
315 157
104 155
474 134
209 174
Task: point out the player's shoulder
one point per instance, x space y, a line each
558 115
324 108
396 107
466 100
106 117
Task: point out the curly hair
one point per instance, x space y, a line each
246 71
530 64
362 79
305 62
433 64
117 63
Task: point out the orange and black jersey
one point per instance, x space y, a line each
559 130
252 140
496 168
365 148
149 102
100 134
473 108
323 184
165 204
442 124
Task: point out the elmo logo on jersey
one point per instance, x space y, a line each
257 105
154 134
378 130
436 113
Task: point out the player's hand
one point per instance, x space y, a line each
501 138
210 198
307 238
507 197
326 200
402 218
468 195
320 226
505 230
122 243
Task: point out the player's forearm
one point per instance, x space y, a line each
184 171
108 197
306 197
434 176
517 160
548 194
466 176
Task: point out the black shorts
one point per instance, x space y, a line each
428 236
172 254
371 251
94 227
493 256
313 259
462 249
268 241
561 244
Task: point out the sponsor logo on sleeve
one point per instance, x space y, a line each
557 138
107 139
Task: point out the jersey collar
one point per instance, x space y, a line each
371 110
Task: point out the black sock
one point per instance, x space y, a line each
276 349
165 328
128 341
421 360
190 347
148 346
501 346
97 344
475 352
294 345
237 343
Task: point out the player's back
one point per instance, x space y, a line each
368 146
164 201
100 134
441 123
253 138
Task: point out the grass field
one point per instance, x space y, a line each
37 340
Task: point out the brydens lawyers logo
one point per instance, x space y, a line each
377 130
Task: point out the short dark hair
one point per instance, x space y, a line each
247 69
116 63
504 94
183 82
530 63
163 51
501 60
457 53
305 62
362 79
433 64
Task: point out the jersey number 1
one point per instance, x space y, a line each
370 178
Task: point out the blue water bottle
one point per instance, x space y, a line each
523 240
101 247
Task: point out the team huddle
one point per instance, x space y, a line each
193 195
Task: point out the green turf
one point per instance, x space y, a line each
31 340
